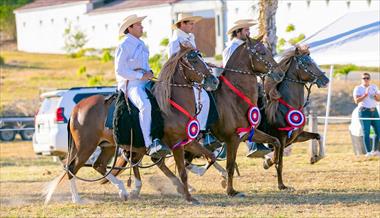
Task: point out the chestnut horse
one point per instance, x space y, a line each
287 96
87 125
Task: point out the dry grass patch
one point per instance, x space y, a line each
341 185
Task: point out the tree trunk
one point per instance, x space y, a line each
267 22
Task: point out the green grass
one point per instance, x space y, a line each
341 185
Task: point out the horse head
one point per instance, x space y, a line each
306 69
195 70
262 59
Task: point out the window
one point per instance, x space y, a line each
23 24
41 22
218 23
79 97
93 28
52 21
106 26
348 4
77 18
289 5
65 19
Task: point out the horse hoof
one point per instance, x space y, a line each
123 196
286 188
223 183
240 195
193 201
134 195
267 163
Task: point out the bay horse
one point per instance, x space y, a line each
284 118
87 129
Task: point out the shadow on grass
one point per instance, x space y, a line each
324 197
22 66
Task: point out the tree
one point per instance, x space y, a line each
75 39
267 22
7 17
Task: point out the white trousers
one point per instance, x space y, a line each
139 98
205 101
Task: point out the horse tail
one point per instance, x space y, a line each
50 187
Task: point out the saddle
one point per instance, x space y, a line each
122 121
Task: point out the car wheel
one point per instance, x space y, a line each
27 135
7 135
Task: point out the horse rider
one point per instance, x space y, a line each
132 75
238 34
183 29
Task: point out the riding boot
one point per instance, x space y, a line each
208 141
257 150
158 150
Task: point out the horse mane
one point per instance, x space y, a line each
270 85
162 88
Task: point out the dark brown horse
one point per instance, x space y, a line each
87 130
280 120
252 58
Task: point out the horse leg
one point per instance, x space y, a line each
101 166
305 136
279 166
120 162
223 174
197 149
135 193
261 137
180 162
175 181
232 146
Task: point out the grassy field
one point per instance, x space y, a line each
341 185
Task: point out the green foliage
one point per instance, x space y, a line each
74 40
164 42
1 61
81 71
297 39
290 28
345 70
218 57
95 80
7 17
155 63
106 56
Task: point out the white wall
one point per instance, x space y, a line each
41 30
156 25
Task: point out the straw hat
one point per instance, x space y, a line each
186 17
129 21
240 24
244 21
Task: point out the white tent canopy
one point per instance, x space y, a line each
352 39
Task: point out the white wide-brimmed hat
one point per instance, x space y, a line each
186 17
128 21
241 24
244 21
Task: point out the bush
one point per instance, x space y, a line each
82 70
218 57
155 63
74 40
106 56
95 80
345 70
1 60
164 42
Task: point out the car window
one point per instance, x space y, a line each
79 97
49 105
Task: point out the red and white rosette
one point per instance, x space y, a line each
193 129
295 118
254 115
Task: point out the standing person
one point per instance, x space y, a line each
366 96
183 29
132 74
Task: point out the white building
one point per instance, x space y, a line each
41 24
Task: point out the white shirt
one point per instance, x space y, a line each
229 50
129 55
369 101
180 36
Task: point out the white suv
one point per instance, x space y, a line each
50 136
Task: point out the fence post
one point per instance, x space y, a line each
313 127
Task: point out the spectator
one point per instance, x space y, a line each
367 96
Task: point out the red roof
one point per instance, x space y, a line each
125 4
46 3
